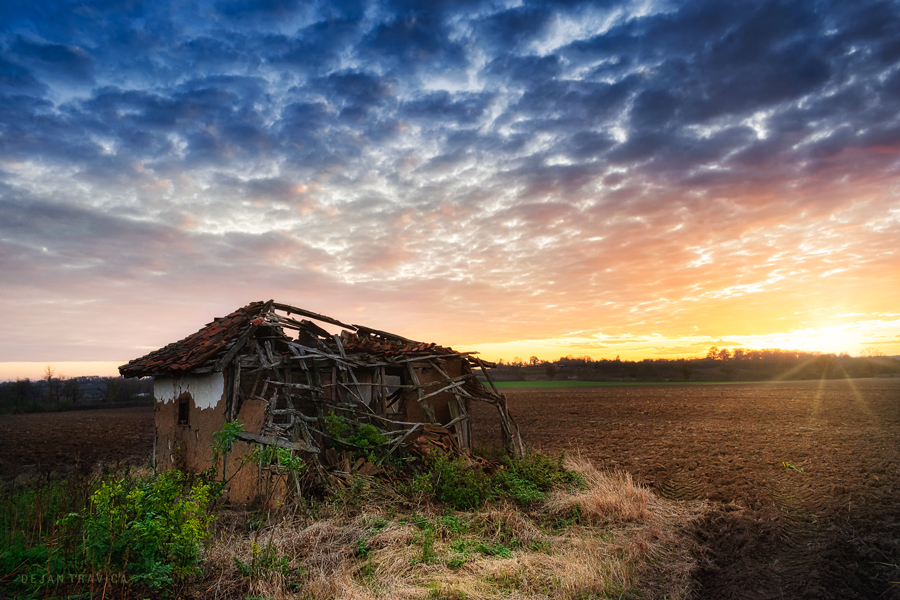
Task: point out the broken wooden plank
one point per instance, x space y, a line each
486 376
426 408
308 313
271 441
239 343
296 386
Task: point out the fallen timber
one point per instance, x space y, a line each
299 383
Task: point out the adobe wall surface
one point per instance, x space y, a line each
189 447
242 475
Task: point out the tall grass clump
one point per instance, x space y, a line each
529 527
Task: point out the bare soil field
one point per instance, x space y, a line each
805 475
827 528
40 443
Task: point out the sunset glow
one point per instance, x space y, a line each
637 179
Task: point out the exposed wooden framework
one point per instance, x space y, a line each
277 354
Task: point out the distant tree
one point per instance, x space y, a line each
54 384
713 353
534 361
109 389
71 390
738 354
823 363
872 352
687 369
18 395
724 354
550 370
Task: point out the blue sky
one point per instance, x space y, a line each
643 178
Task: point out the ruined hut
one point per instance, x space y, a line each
287 380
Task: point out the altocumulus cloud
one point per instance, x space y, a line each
471 171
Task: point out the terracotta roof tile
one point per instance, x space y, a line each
197 349
215 339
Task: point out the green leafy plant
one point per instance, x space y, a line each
364 440
362 548
791 466
453 523
526 479
426 539
493 549
368 436
224 438
148 529
335 426
141 533
267 455
264 561
453 481
573 517
462 556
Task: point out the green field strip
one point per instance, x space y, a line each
563 384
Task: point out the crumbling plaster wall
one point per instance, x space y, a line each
189 447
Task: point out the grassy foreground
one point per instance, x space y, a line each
533 528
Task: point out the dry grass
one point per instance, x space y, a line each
626 543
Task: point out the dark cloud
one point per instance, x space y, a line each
316 49
511 30
356 93
57 61
270 9
465 108
415 40
525 69
16 78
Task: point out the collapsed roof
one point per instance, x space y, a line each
364 372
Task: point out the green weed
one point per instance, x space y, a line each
264 562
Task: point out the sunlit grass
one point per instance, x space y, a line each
608 538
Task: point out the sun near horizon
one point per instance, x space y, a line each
855 339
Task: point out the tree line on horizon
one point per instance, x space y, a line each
719 364
56 392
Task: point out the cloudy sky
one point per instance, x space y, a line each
639 178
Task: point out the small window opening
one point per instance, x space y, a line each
183 409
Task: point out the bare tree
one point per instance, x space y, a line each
54 384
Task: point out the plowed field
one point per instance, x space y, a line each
827 528
62 441
805 475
